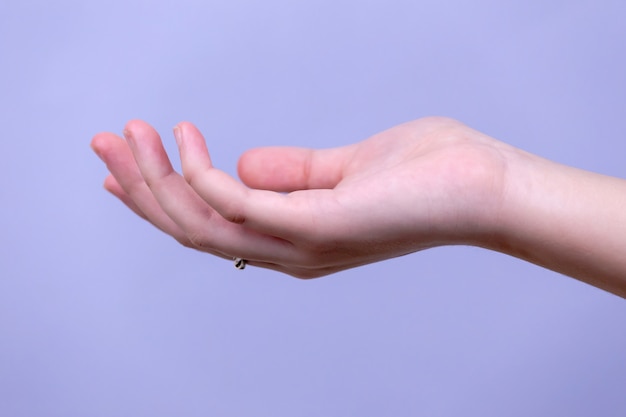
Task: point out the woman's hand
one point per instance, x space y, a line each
309 212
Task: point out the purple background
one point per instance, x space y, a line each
101 315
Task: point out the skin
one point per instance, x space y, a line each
430 182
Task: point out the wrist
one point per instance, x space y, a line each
562 218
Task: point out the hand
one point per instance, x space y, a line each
308 212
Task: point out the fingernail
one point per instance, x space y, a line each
178 135
129 137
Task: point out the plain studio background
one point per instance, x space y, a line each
102 315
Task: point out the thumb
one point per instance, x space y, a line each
285 169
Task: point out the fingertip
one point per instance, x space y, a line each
97 138
96 145
194 153
188 131
182 129
101 142
185 124
245 159
248 168
111 185
281 169
136 124
137 129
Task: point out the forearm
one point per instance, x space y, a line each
565 219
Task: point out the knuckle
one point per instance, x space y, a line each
235 217
234 212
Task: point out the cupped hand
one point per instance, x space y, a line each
309 213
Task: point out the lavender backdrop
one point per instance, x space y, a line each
100 315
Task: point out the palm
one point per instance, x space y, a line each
400 191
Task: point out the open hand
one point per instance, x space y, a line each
309 212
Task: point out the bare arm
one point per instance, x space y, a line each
565 219
427 183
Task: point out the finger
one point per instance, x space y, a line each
112 186
268 212
129 185
172 194
286 169
206 229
